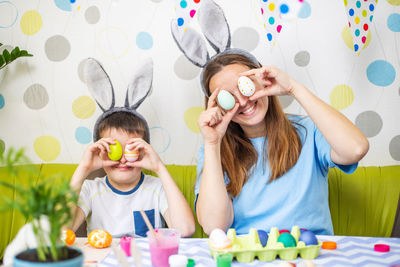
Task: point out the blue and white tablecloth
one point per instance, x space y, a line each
351 251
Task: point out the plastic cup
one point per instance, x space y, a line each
224 260
164 244
125 244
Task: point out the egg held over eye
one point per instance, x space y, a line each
246 86
226 100
115 151
131 155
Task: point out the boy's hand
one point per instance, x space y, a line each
148 158
95 155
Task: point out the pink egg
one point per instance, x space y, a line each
131 155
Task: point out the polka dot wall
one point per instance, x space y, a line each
45 105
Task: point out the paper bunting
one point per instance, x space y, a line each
275 13
360 15
185 12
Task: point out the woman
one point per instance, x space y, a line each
260 168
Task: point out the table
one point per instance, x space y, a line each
351 251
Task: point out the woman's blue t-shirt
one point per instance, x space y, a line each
299 197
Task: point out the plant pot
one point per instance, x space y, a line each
28 258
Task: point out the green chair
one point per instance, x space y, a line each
365 203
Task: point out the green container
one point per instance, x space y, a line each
246 248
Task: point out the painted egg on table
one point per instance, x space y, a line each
308 238
219 240
99 239
131 155
263 236
115 151
226 100
68 236
287 240
246 86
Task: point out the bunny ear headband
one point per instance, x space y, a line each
100 87
215 29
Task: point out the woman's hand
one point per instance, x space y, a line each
273 82
213 122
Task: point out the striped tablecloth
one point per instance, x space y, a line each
351 251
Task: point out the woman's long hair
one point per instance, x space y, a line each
238 154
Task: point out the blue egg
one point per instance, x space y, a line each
308 238
263 236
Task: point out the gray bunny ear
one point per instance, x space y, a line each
99 84
140 86
214 25
191 44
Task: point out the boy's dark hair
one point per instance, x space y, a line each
125 121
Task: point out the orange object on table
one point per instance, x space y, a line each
329 245
99 238
68 236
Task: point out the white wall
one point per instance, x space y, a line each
46 107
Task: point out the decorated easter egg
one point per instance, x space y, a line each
287 240
131 155
263 236
115 151
68 236
246 86
226 100
284 231
99 238
219 240
308 238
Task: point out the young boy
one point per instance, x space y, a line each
113 203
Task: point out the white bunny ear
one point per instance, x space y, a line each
191 44
214 25
99 84
140 85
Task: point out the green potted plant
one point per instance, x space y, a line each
7 57
46 205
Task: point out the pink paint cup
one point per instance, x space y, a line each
125 244
163 245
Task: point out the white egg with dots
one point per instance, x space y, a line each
246 86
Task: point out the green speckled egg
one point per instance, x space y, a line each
287 240
226 100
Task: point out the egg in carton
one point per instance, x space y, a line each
288 246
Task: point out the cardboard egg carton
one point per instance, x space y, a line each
246 247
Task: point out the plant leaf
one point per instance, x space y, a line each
2 61
15 53
7 56
25 53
